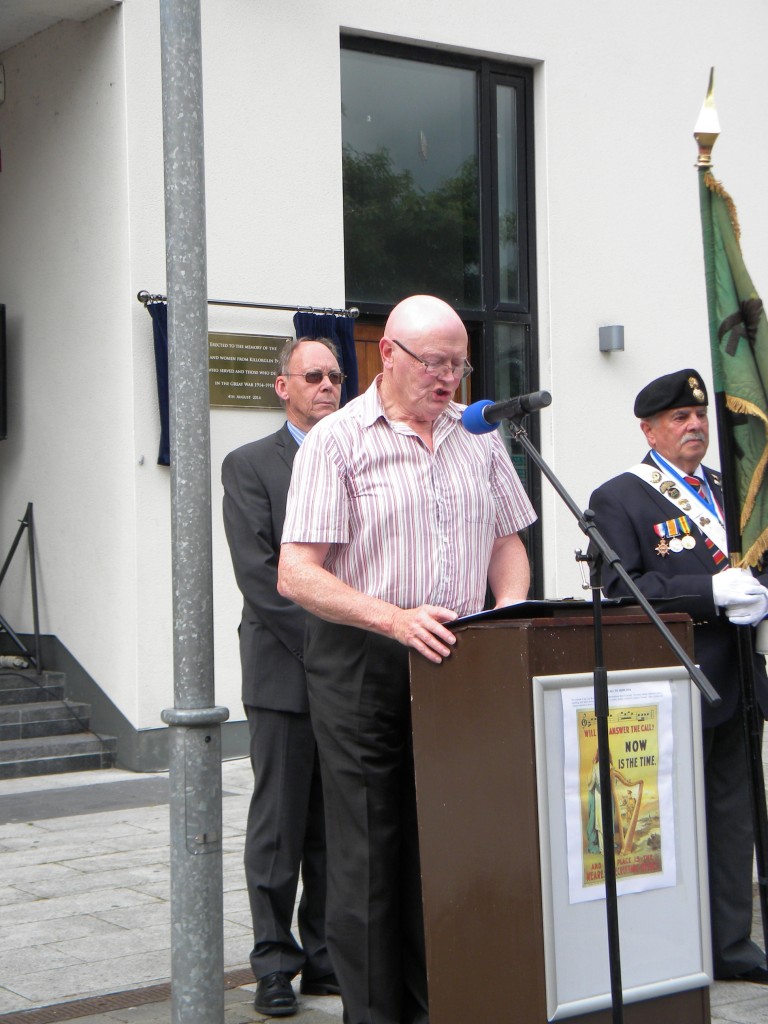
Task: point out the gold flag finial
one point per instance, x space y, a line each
708 126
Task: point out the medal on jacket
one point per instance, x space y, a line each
675 536
702 509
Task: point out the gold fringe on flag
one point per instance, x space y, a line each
717 187
742 407
752 558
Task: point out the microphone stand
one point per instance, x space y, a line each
598 554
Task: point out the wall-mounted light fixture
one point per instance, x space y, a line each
612 338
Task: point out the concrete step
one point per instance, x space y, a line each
41 733
43 718
50 755
23 686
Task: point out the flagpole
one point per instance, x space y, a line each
706 133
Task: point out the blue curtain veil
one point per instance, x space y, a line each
159 313
340 329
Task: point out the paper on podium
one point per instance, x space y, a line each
553 608
538 610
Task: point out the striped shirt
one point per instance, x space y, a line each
405 524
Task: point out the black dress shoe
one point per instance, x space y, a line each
757 975
324 985
275 996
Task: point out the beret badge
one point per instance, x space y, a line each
696 390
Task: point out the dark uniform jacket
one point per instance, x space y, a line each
626 509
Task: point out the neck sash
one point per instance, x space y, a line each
683 497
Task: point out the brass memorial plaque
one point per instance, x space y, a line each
242 370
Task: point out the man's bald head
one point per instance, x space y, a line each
422 316
424 358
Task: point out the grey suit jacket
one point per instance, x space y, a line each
256 479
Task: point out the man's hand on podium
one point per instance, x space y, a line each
422 629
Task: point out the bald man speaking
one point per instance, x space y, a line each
397 520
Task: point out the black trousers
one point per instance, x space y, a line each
285 836
730 843
359 699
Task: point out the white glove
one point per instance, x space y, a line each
734 586
749 614
744 598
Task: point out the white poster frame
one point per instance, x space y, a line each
664 934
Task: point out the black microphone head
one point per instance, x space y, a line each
536 400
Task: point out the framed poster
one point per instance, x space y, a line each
658 832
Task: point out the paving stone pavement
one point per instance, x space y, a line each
84 904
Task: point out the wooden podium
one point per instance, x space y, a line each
474 750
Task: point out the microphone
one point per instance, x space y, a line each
483 417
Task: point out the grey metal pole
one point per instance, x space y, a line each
197 940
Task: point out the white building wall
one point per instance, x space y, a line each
617 93
64 277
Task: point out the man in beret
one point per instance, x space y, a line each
664 518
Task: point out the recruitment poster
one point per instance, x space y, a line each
641 752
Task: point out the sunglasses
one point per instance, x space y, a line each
336 377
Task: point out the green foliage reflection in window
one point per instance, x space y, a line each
411 190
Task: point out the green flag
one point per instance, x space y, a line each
738 335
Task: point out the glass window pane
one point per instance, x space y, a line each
509 245
510 355
411 193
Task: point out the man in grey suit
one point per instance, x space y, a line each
286 832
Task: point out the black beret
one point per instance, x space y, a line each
672 391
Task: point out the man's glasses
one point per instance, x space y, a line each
438 369
336 377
